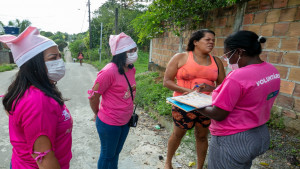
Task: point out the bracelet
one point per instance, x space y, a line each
40 155
92 93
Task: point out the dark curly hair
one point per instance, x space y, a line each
197 36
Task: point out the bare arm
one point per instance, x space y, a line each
214 112
169 79
221 75
95 100
49 161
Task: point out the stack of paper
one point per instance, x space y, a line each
191 101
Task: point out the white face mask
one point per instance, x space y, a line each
131 58
232 66
56 69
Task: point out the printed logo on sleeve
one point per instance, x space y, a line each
66 114
127 94
273 94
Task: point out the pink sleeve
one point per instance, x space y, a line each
105 79
227 95
39 117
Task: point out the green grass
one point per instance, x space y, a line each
141 65
151 95
97 64
7 67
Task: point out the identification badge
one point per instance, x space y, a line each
273 94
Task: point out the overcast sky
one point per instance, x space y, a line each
70 16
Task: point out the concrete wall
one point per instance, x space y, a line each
4 57
277 20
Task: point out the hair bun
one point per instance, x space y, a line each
261 39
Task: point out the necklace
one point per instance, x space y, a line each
196 60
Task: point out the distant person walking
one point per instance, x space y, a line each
242 104
192 68
116 107
40 124
80 57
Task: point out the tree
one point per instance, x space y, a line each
20 24
175 16
59 38
106 15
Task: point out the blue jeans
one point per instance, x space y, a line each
112 139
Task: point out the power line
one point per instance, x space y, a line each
90 30
83 19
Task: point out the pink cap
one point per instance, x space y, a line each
120 43
27 45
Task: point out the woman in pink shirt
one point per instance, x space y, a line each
242 104
80 57
116 107
40 125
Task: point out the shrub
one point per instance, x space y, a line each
151 94
7 67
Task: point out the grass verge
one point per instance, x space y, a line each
7 67
141 64
151 95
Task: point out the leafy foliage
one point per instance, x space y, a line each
21 24
7 67
77 46
175 16
106 15
151 94
141 65
59 38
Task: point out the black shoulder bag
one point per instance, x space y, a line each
134 118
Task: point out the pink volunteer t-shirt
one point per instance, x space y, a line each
248 95
116 103
37 114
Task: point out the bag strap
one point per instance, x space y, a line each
129 87
216 64
130 91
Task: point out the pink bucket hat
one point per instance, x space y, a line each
27 45
120 43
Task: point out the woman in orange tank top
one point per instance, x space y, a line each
194 67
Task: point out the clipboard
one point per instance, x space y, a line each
191 101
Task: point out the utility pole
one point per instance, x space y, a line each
90 30
100 48
116 21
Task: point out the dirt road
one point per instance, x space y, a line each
143 145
